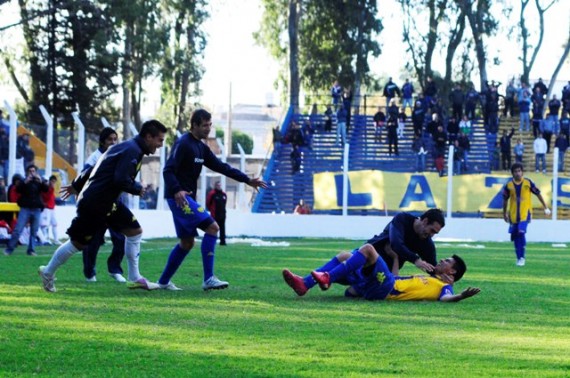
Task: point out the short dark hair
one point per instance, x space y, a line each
152 128
459 267
105 133
516 166
198 116
434 215
52 177
31 166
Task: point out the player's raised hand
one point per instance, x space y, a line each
470 291
257 183
66 191
547 211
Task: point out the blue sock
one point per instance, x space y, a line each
175 259
208 248
357 260
333 263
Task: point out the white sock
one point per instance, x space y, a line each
60 256
54 232
132 251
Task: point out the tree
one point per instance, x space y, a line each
561 62
525 36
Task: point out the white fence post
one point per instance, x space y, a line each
135 199
555 184
49 140
450 180
345 180
80 141
12 137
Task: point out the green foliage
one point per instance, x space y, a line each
243 139
258 327
220 133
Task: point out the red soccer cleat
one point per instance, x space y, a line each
322 278
295 282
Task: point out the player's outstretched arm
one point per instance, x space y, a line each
467 293
257 183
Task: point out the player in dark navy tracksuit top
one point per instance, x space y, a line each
97 205
181 174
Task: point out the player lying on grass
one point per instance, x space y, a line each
368 276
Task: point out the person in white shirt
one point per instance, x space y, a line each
540 148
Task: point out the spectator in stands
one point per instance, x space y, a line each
440 141
496 157
314 118
418 118
436 108
522 90
562 144
31 206
24 153
547 127
537 110
540 85
524 111
379 123
48 220
457 98
401 123
510 94
434 124
471 101
539 147
457 158
13 194
336 93
3 124
296 159
465 126
554 108
407 94
308 131
519 151
3 194
277 137
465 143
341 116
505 144
420 148
452 129
347 104
392 129
302 208
565 125
391 90
216 203
566 97
430 90
328 119
4 152
295 135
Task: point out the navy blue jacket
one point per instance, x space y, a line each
185 162
400 234
113 174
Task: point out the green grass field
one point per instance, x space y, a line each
517 327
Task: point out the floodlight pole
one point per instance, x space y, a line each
80 141
49 140
12 138
345 180
555 184
450 180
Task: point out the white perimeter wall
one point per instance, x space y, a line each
157 224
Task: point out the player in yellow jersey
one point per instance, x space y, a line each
369 277
517 207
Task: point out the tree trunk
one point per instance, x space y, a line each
294 81
563 58
126 74
524 38
15 80
476 21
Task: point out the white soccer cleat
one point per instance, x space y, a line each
92 279
213 283
142 283
48 281
118 277
521 261
169 286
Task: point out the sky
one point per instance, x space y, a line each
232 57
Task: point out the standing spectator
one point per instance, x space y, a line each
562 144
216 203
4 152
379 123
418 118
554 108
457 98
465 143
566 97
471 101
295 135
465 125
496 157
31 207
452 129
434 124
3 191
296 159
518 202
401 124
537 110
13 194
336 93
392 128
522 90
505 144
510 94
347 104
492 110
540 85
308 131
524 110
519 151
539 147
457 158
341 117
391 90
181 174
547 129
277 138
565 125
430 90
48 221
328 119
420 148
407 94
302 208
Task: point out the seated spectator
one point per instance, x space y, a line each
295 135
465 126
452 129
302 208
433 125
379 123
296 159
308 132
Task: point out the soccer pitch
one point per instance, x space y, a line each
517 326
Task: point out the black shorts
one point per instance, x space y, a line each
89 221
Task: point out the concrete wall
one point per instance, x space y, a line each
159 224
